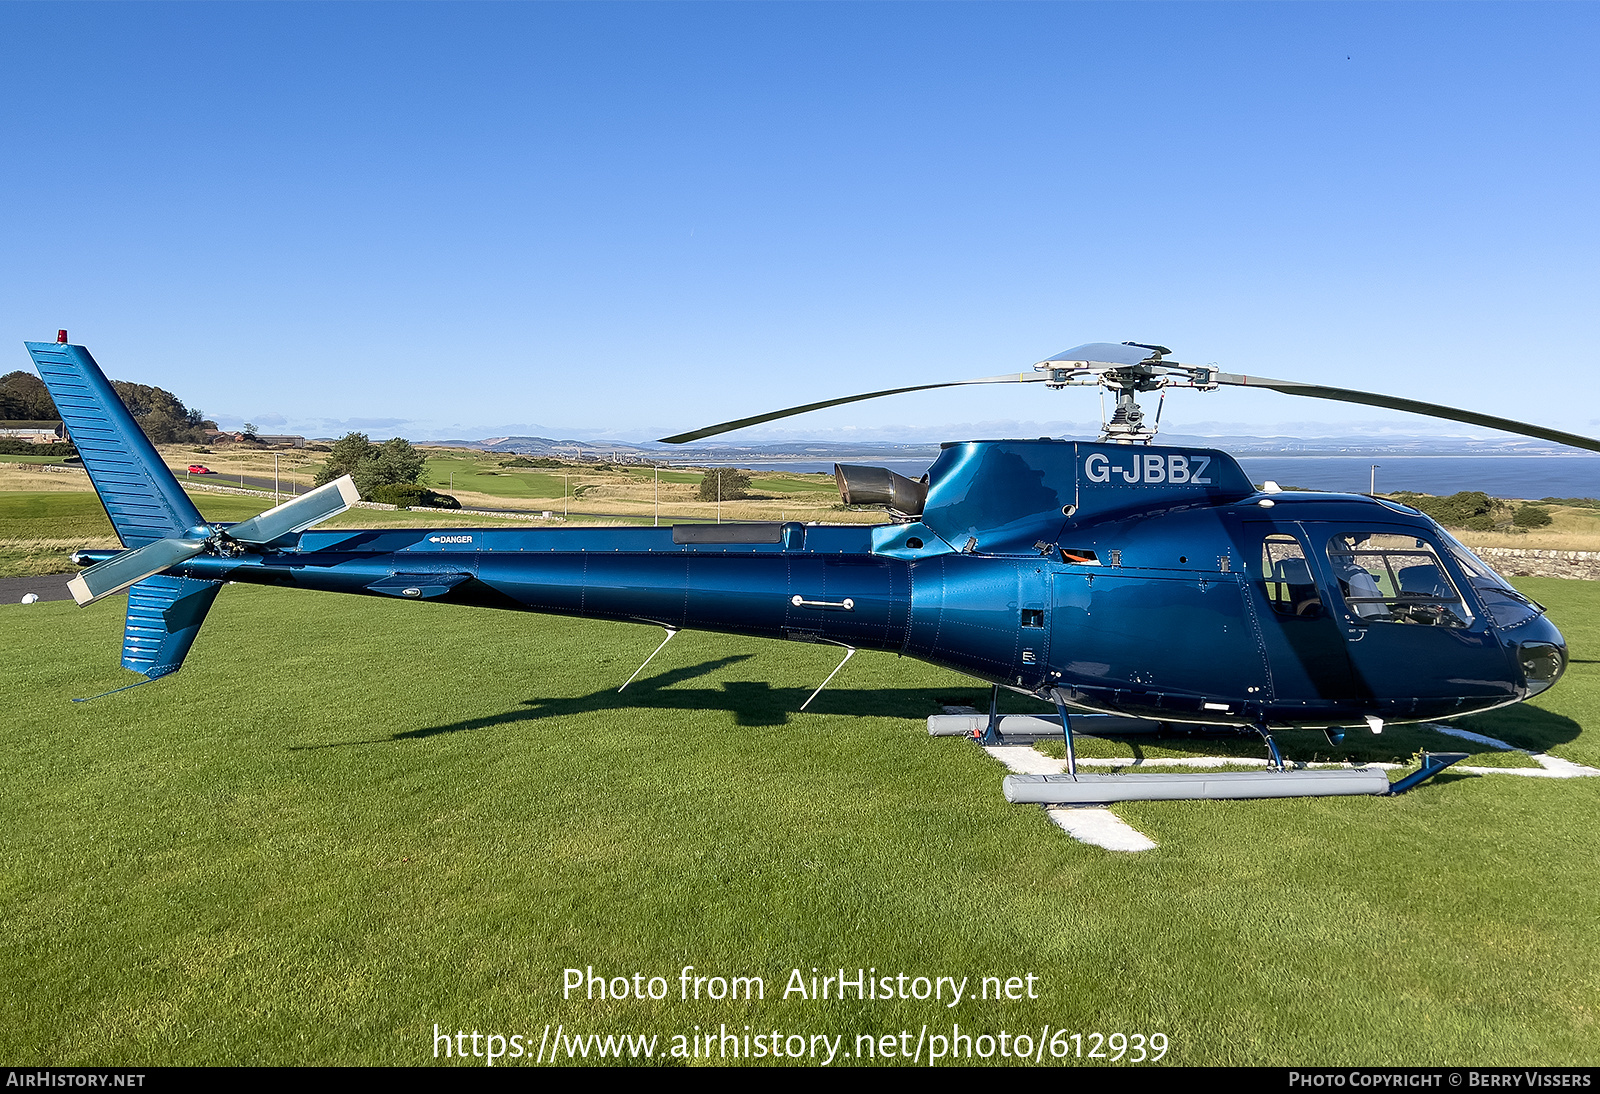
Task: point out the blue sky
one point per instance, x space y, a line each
627 220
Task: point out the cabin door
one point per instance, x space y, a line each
1305 644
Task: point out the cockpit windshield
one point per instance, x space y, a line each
1505 605
1386 577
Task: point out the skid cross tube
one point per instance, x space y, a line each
849 652
671 632
990 733
1432 764
1274 758
1066 733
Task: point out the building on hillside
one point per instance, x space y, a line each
33 432
225 436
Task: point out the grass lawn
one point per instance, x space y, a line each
796 485
648 474
481 481
488 477
485 475
348 820
26 458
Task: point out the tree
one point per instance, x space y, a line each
397 461
372 465
346 455
23 397
726 483
161 414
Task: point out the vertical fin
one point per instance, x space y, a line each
141 495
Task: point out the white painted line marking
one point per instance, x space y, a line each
1468 735
1550 767
1562 769
1025 760
1094 825
1099 827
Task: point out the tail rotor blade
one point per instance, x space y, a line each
131 567
299 514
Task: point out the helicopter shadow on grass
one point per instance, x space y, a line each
752 703
756 703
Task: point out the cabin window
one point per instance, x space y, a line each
1032 617
1078 556
1389 578
1286 577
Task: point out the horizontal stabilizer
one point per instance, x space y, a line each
299 514
164 615
117 573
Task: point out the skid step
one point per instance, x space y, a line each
1183 786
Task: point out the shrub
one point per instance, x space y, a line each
405 495
15 446
1468 509
728 483
1531 516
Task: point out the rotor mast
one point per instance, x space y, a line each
1128 369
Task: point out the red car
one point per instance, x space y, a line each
200 469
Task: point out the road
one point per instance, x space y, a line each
47 587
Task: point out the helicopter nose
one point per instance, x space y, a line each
1542 664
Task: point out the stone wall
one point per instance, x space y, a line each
1516 562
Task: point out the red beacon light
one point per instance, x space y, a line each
61 337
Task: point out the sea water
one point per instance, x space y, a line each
1575 476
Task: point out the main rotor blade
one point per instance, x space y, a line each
299 514
131 567
726 427
1413 406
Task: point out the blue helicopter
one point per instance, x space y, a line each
1109 578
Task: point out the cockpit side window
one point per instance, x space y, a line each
1286 578
1390 578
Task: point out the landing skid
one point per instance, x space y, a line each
1286 782
1280 780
